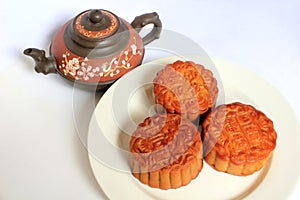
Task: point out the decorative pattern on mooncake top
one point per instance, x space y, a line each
185 88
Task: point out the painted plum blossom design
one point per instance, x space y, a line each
86 72
81 69
70 66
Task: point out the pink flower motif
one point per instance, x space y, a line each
86 72
72 66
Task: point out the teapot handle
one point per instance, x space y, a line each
150 18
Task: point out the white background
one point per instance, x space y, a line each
41 154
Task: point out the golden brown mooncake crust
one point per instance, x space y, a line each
238 139
185 88
166 151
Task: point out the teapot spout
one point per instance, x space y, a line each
43 64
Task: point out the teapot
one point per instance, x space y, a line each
96 47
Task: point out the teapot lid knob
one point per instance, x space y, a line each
95 16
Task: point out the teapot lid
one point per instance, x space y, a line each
96 24
96 32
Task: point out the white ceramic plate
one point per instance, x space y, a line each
129 101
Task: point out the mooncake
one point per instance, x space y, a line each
238 139
166 151
185 88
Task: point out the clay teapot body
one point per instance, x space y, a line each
96 47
